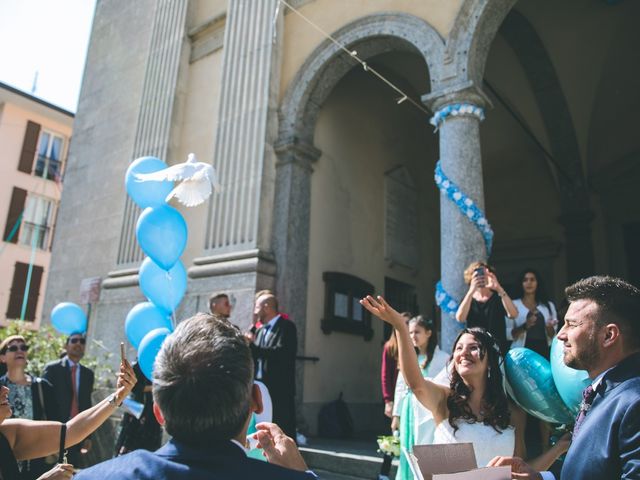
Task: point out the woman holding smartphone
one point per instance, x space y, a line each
486 303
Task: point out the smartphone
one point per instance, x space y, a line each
122 355
480 273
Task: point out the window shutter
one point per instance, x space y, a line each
16 207
34 293
29 147
16 295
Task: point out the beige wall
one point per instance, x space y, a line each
300 38
362 134
15 111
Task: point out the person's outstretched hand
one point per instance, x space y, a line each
126 381
519 468
278 448
381 309
60 471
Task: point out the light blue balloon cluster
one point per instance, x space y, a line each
470 211
467 206
161 232
454 110
445 301
547 390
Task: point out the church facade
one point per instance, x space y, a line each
328 174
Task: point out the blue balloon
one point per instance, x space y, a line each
149 348
149 193
68 318
530 384
143 318
164 289
569 382
162 235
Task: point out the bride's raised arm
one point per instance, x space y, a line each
429 394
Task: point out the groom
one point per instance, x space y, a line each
601 335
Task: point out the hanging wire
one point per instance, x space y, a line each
354 54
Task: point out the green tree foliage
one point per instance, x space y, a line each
46 345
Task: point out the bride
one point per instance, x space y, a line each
474 407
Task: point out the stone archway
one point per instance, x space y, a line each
301 104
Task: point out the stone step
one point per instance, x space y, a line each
344 460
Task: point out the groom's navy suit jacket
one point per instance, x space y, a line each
176 461
607 445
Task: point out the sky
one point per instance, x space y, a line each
49 37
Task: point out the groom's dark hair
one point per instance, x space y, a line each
202 381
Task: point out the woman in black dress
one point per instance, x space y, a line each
486 303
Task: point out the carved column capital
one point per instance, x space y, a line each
293 150
467 92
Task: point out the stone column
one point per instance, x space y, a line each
156 109
237 249
578 243
460 241
291 238
247 124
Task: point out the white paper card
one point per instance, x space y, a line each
489 473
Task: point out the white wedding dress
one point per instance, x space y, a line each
487 442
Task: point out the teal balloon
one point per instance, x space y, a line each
569 382
143 318
68 318
149 348
530 384
164 289
149 193
162 235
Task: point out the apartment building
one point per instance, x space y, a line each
34 140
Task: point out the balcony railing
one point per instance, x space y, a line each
28 232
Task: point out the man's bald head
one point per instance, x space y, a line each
266 307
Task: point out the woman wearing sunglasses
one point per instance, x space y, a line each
31 397
26 439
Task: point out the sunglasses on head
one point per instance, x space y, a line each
76 340
15 348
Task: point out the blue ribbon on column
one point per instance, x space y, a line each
466 205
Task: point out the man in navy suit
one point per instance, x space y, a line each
204 395
601 335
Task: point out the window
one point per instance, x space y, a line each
37 222
18 286
49 159
343 311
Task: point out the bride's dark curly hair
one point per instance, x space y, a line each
494 404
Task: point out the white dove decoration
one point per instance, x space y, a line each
196 180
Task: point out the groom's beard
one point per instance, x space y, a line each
586 357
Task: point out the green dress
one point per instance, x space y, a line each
408 416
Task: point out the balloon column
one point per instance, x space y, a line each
547 390
161 232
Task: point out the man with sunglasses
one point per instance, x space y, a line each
73 385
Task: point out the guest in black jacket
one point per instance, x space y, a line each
73 385
274 353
